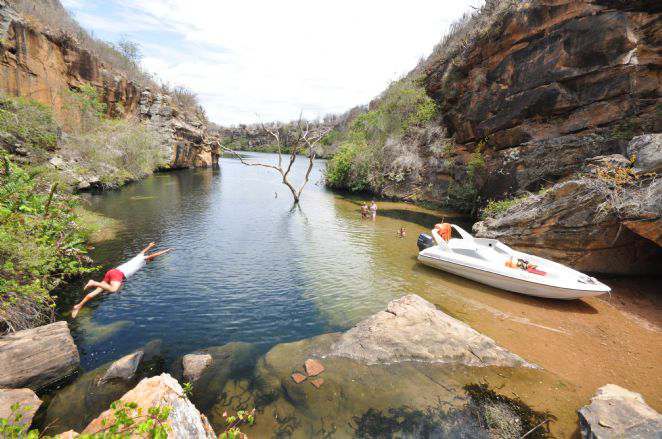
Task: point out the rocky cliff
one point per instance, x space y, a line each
43 63
539 86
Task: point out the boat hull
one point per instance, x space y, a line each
505 282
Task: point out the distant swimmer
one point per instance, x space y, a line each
365 211
373 209
402 233
115 278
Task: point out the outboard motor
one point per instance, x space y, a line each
424 241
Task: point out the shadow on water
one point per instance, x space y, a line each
570 306
486 414
424 219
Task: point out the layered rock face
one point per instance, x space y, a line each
576 223
44 64
548 84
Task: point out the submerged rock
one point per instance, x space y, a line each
615 412
195 364
78 403
124 369
185 420
27 401
413 329
228 362
37 357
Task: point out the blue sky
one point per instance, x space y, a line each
257 60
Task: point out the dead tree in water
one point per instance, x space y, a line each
303 139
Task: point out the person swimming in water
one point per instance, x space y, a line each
115 277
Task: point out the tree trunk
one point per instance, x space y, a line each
37 357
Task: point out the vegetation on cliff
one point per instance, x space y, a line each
363 160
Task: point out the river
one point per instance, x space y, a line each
248 267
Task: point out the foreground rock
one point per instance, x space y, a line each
37 357
163 390
352 398
27 401
195 364
590 224
615 412
222 364
413 329
123 369
74 406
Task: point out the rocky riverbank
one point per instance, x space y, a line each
410 368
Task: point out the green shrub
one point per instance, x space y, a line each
463 196
359 162
40 246
339 167
29 121
475 164
495 209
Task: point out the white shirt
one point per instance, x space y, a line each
130 267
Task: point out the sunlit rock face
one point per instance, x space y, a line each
184 420
413 329
44 64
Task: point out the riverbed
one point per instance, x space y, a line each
250 267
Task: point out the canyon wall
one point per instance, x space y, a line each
548 84
40 63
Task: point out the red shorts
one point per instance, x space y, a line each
113 275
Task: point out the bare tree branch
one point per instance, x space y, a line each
305 137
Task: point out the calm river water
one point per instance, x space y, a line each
250 268
247 267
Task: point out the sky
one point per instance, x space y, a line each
259 61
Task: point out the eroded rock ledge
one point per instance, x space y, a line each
413 329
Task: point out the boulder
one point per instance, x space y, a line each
647 152
195 364
27 401
76 404
37 357
123 369
227 362
413 329
615 412
184 420
586 223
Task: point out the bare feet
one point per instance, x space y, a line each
88 285
74 311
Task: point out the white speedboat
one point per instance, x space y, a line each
493 263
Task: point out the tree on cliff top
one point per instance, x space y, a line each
303 141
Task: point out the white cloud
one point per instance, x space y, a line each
277 58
